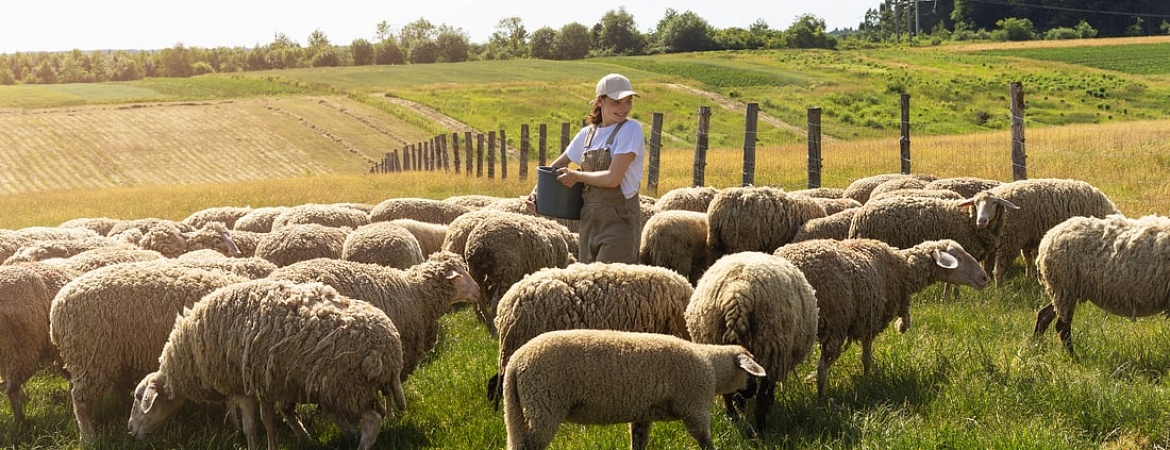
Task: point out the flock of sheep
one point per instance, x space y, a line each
262 309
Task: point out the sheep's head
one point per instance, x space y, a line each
154 404
987 208
954 265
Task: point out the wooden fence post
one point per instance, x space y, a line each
565 134
503 156
479 155
442 139
467 141
749 144
700 165
428 151
655 149
904 142
455 150
542 145
522 161
1019 156
406 164
814 148
491 154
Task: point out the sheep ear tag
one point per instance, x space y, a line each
945 260
750 365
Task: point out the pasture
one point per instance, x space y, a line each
967 375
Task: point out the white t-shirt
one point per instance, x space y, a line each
630 139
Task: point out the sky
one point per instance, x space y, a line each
40 25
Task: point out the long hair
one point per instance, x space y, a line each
594 116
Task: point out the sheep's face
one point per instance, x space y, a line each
986 208
954 265
153 406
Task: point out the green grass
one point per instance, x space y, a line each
32 96
1138 59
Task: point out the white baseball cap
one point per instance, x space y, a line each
615 86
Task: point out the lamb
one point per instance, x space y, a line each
756 219
269 341
863 284
763 303
602 377
611 296
25 347
110 325
677 240
301 242
965 186
833 226
860 188
691 198
430 236
227 215
422 209
415 298
501 252
1046 202
330 215
260 219
382 243
1117 263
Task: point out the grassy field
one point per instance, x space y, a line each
967 375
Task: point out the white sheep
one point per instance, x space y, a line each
26 292
415 298
612 296
422 209
329 215
863 284
99 225
833 226
260 219
227 215
860 188
945 194
105 256
604 377
690 198
269 341
820 192
382 243
473 201
110 325
301 242
517 206
763 303
1044 203
677 240
1117 263
967 187
897 184
430 236
756 219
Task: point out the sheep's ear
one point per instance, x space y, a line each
452 274
1005 203
967 202
148 397
749 365
945 260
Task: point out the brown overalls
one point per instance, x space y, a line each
611 225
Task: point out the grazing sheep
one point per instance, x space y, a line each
517 206
833 226
329 215
421 209
473 201
39 242
260 219
897 184
227 215
41 250
105 256
677 240
99 225
863 284
146 224
692 198
944 194
763 303
269 341
251 268
415 298
603 377
1115 262
382 243
501 252
967 187
821 192
1044 203
301 242
26 292
110 325
835 205
611 296
756 219
430 236
860 188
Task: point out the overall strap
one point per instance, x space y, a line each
609 142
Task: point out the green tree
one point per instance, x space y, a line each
808 31
452 45
176 61
1085 31
45 73
572 42
686 32
362 51
417 33
542 44
618 34
388 52
6 78
1015 29
424 52
510 40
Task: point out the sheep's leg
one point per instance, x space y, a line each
830 351
288 412
1043 319
1003 260
1030 255
866 355
84 416
700 429
764 399
639 435
268 417
247 406
16 397
730 402
370 424
1064 329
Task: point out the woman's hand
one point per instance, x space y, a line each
567 176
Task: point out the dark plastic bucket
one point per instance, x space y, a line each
554 199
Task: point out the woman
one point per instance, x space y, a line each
610 152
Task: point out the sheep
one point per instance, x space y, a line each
329 215
260 219
421 209
965 186
25 346
820 192
1117 263
835 205
301 242
677 240
70 240
517 206
860 188
99 225
105 256
602 377
458 230
692 198
945 194
763 303
146 224
833 226
612 296
896 184
415 298
251 268
430 236
58 248
110 325
382 243
501 252
756 219
863 284
269 341
1045 202
473 201
227 215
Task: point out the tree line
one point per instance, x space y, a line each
616 33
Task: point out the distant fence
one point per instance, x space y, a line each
463 152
